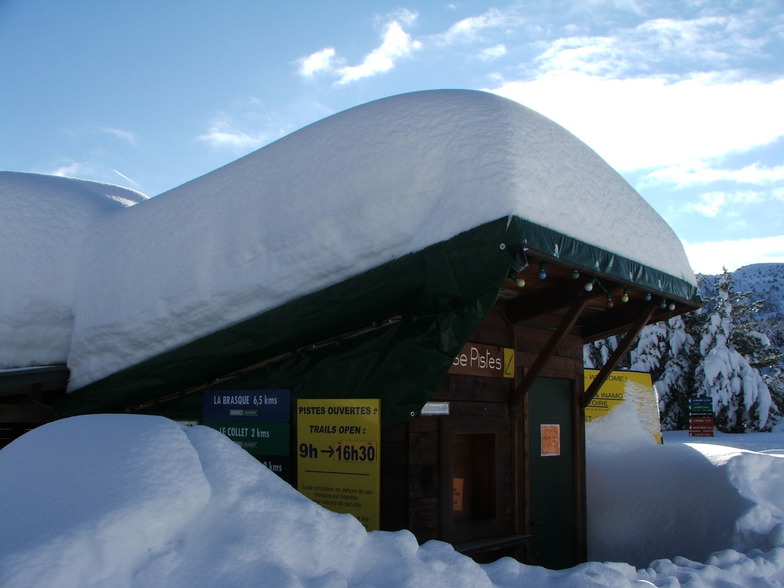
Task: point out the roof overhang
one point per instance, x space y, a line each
422 306
557 269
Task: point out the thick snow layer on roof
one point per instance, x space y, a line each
334 199
45 221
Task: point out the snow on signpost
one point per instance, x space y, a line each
635 388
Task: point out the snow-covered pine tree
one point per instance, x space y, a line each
596 353
741 400
765 281
666 350
744 344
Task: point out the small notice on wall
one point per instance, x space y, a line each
457 493
338 464
551 440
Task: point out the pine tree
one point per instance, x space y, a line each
666 351
741 400
722 350
596 353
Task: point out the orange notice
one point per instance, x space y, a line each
551 440
457 494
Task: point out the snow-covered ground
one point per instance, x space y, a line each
131 500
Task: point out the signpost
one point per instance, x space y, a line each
701 418
256 420
338 462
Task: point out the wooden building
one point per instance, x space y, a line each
448 253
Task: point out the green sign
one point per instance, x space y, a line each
256 438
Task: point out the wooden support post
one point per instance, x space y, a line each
567 324
620 351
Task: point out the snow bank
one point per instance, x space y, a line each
673 489
93 497
699 497
336 198
133 500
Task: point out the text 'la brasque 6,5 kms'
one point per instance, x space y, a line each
245 399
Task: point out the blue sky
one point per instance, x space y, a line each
684 98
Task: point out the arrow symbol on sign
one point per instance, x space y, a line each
329 452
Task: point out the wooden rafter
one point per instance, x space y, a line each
567 324
623 347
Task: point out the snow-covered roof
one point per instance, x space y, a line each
46 223
327 202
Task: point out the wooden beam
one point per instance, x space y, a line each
528 307
567 324
620 351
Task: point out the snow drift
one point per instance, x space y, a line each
133 500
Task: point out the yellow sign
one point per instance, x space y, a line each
338 462
478 359
626 387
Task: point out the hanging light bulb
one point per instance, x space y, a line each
589 285
517 279
671 306
610 302
575 274
542 272
647 297
663 303
625 295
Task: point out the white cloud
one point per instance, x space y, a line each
705 43
127 136
73 169
650 122
318 62
626 93
712 257
471 28
703 172
586 55
713 38
491 53
396 43
713 204
223 133
710 204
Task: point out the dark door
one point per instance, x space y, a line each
552 474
